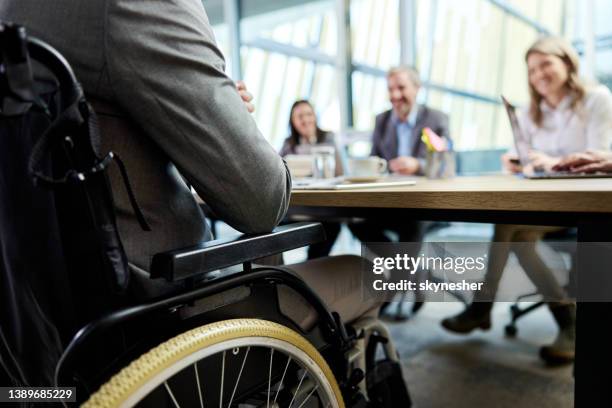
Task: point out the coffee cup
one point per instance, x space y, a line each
367 167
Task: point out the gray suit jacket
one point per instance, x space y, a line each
384 138
156 78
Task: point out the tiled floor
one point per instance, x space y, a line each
482 369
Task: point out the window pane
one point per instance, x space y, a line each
551 14
369 99
603 15
375 32
310 25
529 8
471 121
324 96
467 39
519 37
276 81
604 67
425 21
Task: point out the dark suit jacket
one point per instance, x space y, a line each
169 110
384 139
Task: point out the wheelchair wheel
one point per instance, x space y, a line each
233 363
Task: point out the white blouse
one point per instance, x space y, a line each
566 131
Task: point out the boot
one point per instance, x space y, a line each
562 350
476 315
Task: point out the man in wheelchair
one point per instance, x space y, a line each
121 292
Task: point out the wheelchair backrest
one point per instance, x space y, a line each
61 260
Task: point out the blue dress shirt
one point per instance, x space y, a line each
404 130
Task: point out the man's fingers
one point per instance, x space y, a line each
246 96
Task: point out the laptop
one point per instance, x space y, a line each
522 142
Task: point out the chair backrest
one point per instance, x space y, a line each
61 260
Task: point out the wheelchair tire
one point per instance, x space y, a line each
154 371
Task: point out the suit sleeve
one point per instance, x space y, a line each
377 137
168 74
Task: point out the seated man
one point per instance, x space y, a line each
397 139
156 79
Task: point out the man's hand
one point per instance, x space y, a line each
246 96
404 165
542 161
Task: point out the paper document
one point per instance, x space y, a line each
339 183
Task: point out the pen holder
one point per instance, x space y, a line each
440 165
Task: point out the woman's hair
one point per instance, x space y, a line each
295 136
558 47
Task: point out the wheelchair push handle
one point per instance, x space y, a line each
16 45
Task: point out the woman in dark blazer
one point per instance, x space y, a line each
305 133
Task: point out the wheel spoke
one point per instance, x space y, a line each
222 378
308 396
195 368
171 395
246 354
281 380
270 377
298 388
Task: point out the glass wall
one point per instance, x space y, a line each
289 54
468 52
375 46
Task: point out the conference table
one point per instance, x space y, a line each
505 199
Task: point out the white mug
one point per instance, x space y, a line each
367 167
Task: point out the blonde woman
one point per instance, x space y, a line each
565 116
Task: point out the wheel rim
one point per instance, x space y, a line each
276 367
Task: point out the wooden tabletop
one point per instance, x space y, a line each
501 192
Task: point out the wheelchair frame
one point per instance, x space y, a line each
190 267
334 342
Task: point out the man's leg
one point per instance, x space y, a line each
369 231
320 249
338 281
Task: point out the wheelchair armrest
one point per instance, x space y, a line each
209 256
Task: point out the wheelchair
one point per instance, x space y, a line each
217 337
